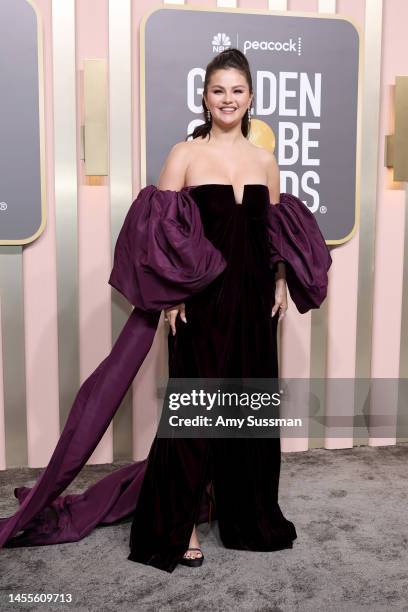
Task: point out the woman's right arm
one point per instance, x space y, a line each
172 176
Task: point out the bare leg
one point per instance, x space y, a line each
193 554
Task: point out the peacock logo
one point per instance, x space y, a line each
220 42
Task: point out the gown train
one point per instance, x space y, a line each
198 246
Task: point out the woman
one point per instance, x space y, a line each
209 248
228 330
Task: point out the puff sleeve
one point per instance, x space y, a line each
294 236
162 255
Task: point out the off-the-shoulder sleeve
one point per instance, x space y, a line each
294 237
162 255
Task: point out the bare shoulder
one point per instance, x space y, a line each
187 145
173 172
268 159
179 149
180 153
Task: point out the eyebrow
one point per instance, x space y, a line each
224 87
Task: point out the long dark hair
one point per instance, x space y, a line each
229 58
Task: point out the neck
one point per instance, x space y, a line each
226 137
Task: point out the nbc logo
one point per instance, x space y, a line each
220 42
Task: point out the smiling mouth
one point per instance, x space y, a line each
228 110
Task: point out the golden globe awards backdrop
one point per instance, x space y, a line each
305 72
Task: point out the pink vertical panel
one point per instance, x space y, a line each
343 296
296 328
40 296
2 432
94 242
341 341
145 402
390 222
295 363
303 5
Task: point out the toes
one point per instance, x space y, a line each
192 554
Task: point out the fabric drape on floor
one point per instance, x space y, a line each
162 258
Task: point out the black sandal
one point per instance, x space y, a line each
192 562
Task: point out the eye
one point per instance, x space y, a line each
235 91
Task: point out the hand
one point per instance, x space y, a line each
281 298
170 315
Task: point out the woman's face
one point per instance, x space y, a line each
228 97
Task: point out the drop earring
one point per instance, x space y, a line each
249 115
208 116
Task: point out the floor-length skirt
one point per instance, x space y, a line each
229 333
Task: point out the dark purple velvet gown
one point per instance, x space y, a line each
229 333
197 246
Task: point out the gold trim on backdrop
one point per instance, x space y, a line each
369 172
14 371
41 117
401 129
120 109
63 38
389 151
95 129
396 145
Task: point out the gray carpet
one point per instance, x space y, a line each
350 512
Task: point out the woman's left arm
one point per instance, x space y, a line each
281 297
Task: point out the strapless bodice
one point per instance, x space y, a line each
222 333
229 189
254 200
231 225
